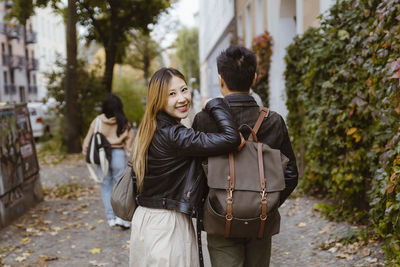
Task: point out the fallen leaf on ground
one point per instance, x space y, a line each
326 229
366 252
344 256
332 250
20 259
95 263
26 240
372 260
302 224
95 250
90 227
44 258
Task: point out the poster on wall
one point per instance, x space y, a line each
26 144
10 153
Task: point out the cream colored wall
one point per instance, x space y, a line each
241 12
265 14
241 6
311 12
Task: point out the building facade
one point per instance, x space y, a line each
28 53
216 26
18 68
283 19
50 46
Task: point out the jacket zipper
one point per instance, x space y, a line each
196 183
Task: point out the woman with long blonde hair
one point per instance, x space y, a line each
167 164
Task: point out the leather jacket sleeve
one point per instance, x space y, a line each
188 142
291 173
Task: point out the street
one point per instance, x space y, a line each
69 229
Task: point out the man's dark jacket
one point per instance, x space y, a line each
273 132
175 179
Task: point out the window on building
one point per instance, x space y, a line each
34 79
10 52
6 89
22 93
12 76
3 52
259 20
5 77
248 26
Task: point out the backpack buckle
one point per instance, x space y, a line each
263 195
230 193
263 218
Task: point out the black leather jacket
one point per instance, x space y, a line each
174 179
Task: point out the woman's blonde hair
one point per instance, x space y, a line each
157 97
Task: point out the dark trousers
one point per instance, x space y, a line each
239 252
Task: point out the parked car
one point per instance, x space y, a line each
40 119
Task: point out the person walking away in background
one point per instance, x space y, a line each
168 170
119 133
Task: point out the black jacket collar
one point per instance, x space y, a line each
241 100
163 119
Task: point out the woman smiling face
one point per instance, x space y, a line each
179 99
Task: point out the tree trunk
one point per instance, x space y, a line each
26 64
109 70
146 66
111 52
71 124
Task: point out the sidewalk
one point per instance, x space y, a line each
69 229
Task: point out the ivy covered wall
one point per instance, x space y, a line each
343 97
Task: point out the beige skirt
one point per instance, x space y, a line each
162 237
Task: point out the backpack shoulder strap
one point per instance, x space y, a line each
264 112
97 127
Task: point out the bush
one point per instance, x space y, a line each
342 85
132 92
262 47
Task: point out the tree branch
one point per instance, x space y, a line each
95 23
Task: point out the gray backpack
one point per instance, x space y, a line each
244 188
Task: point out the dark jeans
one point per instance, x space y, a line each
239 252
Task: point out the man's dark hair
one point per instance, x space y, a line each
237 66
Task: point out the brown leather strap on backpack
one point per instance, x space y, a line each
263 114
229 197
263 215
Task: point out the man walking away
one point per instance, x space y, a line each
237 71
